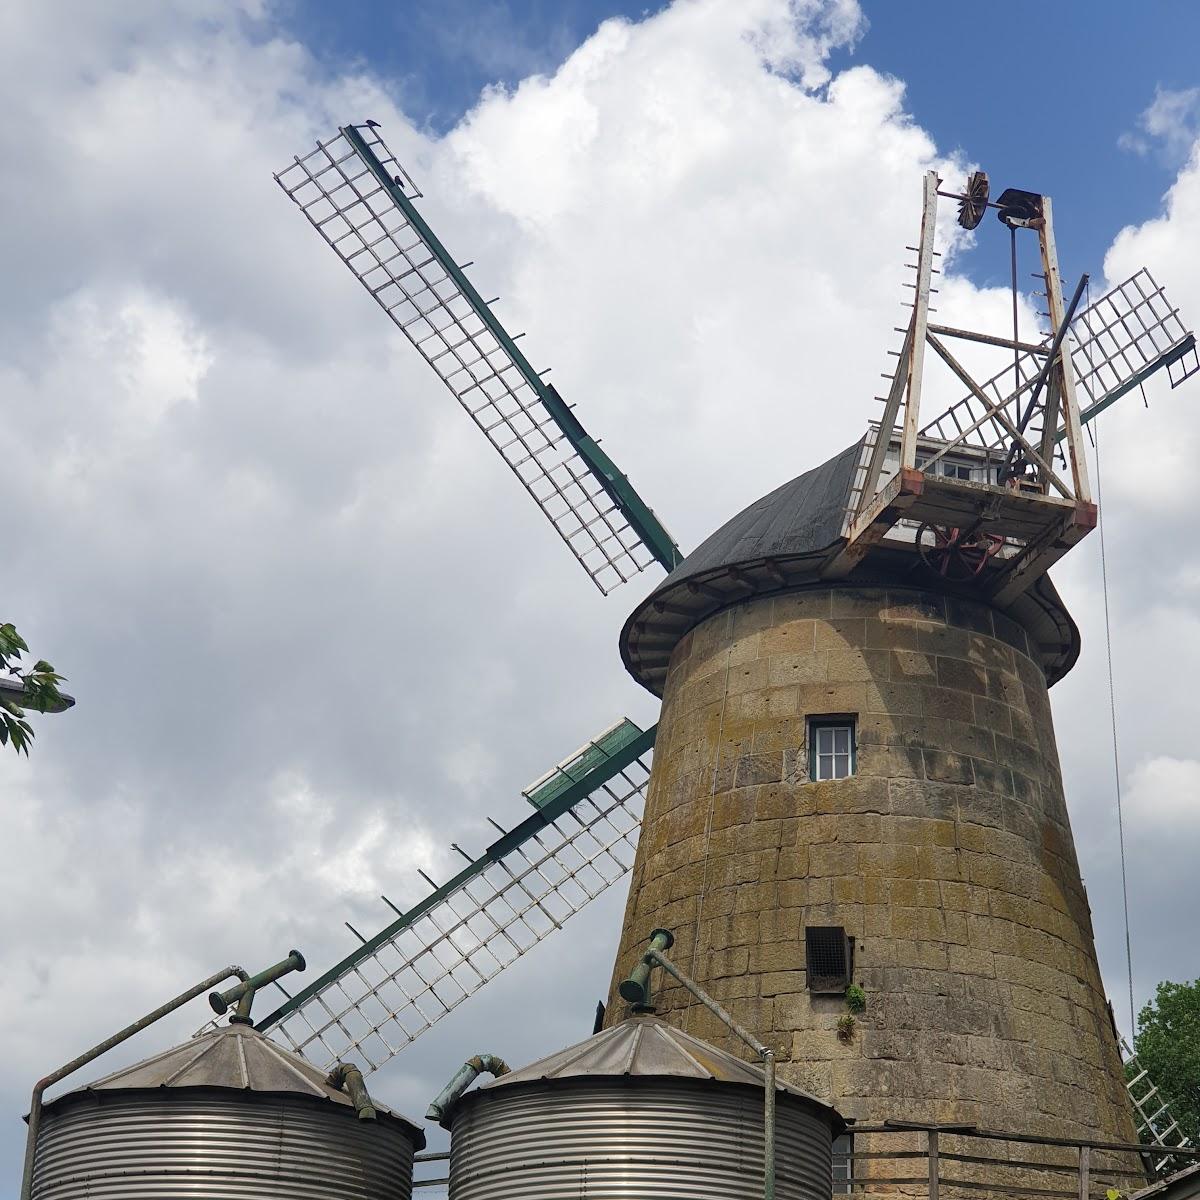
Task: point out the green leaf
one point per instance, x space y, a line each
11 641
19 734
41 690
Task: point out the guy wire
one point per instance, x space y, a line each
1012 234
1112 709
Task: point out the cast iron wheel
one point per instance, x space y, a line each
956 554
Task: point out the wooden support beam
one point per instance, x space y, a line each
999 414
1039 555
988 339
1070 404
887 423
920 320
870 527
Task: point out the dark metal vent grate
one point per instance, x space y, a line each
827 958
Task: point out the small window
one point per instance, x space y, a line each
957 468
831 748
828 954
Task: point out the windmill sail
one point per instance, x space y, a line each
1117 343
579 840
357 196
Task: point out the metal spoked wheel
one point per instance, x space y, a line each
956 554
972 204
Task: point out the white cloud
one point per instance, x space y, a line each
316 631
1168 126
1164 797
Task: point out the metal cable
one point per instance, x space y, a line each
1012 230
1112 708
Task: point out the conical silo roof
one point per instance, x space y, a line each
234 1057
645 1047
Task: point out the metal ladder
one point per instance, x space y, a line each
1154 1118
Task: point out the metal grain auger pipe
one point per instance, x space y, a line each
463 1078
347 1077
636 989
242 994
39 1088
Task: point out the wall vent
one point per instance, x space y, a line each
828 956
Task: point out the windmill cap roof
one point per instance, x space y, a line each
781 543
234 1058
647 1047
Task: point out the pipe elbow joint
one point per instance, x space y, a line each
466 1075
489 1064
346 1077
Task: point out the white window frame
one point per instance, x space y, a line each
831 756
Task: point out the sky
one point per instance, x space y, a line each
315 631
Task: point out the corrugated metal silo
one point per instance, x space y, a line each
228 1114
640 1110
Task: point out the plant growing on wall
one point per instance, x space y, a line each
856 999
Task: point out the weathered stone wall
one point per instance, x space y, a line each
947 856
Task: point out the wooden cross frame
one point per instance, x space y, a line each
1041 515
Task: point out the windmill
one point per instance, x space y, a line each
982 499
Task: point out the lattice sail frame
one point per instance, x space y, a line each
356 195
1116 343
399 983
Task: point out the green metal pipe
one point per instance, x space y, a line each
655 957
39 1088
769 1127
636 989
462 1079
241 1015
221 1001
346 1077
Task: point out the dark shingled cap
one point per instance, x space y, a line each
779 544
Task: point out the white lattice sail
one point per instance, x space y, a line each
534 878
360 200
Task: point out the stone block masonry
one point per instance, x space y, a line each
947 856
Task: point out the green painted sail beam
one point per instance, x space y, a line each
1139 377
499 849
617 486
637 512
596 752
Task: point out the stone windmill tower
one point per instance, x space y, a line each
855 777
